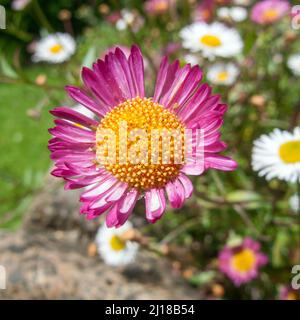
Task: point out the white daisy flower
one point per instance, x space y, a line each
236 14
294 203
277 155
112 248
294 64
212 40
54 48
223 73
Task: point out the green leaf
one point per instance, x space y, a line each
251 199
202 278
7 69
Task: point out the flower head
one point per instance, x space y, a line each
294 64
223 73
54 48
212 40
277 155
124 155
269 11
113 247
241 263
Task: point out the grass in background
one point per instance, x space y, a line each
23 143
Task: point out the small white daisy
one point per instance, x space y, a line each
294 64
277 155
112 248
223 73
294 203
236 14
212 40
54 48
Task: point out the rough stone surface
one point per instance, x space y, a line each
48 259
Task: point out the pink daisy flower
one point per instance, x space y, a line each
241 263
269 11
114 91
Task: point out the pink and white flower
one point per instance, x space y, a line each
241 263
269 11
114 91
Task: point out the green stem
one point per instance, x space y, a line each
20 34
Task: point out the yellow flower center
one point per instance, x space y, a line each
141 143
289 152
210 40
56 48
270 14
222 76
116 243
244 260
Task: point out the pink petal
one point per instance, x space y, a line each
175 192
80 97
121 211
155 204
74 116
187 185
220 162
136 65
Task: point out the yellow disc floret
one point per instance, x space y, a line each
244 260
210 40
116 243
141 143
289 152
57 48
